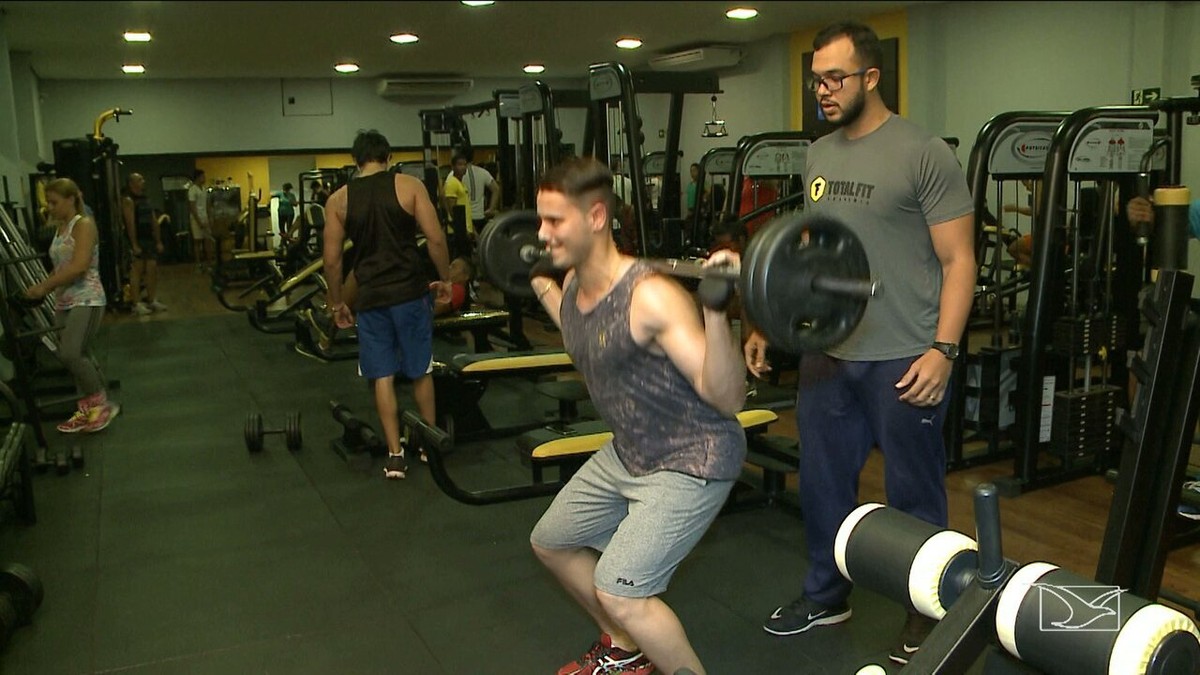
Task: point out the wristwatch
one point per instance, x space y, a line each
949 349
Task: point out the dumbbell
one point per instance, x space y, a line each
21 594
255 432
18 299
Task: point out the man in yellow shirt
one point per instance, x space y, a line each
454 193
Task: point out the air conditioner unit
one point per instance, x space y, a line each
700 58
393 88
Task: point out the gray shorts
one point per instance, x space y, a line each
644 526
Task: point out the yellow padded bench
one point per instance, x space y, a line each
478 322
460 384
256 255
509 364
569 452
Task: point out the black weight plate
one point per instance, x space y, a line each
254 432
24 587
291 432
777 272
10 620
500 245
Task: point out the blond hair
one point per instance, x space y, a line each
67 189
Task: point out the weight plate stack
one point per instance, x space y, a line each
254 432
291 432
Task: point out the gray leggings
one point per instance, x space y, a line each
79 325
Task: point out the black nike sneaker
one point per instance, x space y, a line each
803 614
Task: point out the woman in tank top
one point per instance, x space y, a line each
79 303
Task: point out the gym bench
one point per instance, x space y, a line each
567 453
322 340
282 321
480 323
258 267
460 385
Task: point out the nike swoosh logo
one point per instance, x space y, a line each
777 614
812 616
911 650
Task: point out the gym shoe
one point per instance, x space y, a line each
620 661
1188 509
603 657
916 628
803 614
157 306
395 466
77 422
142 310
101 415
587 662
83 413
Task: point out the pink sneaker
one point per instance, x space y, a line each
99 416
83 415
76 423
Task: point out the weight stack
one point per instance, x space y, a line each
991 380
1084 425
1083 335
1118 337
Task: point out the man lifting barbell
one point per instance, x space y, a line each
656 373
901 191
669 386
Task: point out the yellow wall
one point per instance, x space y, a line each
222 168
890 25
335 161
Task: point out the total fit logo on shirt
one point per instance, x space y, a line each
839 191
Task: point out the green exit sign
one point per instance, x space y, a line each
1145 96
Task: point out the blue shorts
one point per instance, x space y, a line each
396 339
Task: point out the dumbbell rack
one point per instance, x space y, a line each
21 269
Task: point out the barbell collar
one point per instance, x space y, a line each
530 254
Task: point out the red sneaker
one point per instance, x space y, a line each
604 658
587 662
620 661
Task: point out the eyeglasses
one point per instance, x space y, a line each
832 82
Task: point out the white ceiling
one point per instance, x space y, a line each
82 40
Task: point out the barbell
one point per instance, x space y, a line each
804 282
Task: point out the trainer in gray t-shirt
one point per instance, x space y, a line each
889 187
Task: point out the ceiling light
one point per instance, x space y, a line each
478 3
629 43
742 13
534 68
404 38
346 67
136 36
133 69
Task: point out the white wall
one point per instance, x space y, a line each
14 99
225 116
755 98
971 61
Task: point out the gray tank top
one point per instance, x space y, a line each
658 420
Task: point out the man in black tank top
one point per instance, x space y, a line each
381 212
145 239
669 387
